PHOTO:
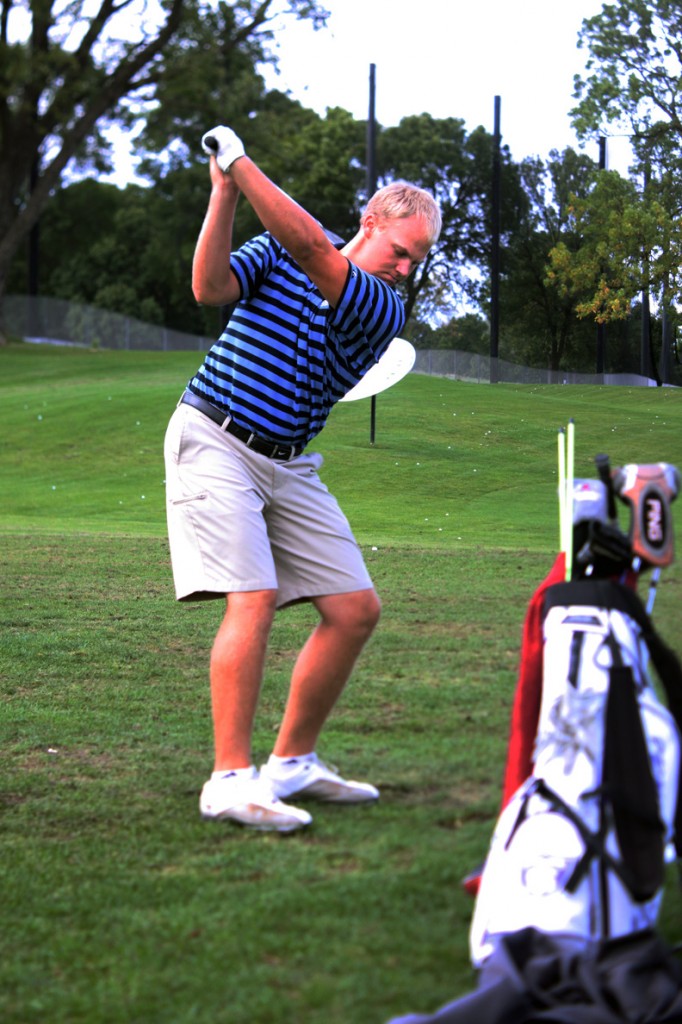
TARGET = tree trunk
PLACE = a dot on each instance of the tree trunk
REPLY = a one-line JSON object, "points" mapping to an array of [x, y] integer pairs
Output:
{"points": [[4, 270]]}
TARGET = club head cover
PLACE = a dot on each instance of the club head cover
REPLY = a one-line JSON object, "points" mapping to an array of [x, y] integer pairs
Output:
{"points": [[649, 490]]}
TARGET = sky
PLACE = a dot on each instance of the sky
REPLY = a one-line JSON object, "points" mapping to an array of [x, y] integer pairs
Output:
{"points": [[447, 58]]}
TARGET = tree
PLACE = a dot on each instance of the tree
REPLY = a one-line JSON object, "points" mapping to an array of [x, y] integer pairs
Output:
{"points": [[635, 67], [466, 333], [131, 249], [626, 245], [319, 161], [630, 245], [78, 67], [634, 84], [457, 169], [539, 319]]}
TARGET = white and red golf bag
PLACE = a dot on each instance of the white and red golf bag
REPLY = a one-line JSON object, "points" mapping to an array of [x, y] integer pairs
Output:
{"points": [[591, 808]]}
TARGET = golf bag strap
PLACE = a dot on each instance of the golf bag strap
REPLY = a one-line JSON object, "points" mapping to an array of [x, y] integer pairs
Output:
{"points": [[595, 842], [629, 785], [611, 594]]}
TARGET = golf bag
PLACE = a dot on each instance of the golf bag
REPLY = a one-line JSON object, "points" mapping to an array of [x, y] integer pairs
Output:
{"points": [[591, 808], [580, 847]]}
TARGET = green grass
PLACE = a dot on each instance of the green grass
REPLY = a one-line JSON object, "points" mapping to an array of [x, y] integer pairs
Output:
{"points": [[119, 906]]}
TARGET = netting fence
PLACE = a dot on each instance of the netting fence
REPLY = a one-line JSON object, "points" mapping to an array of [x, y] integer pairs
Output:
{"points": [[58, 321]]}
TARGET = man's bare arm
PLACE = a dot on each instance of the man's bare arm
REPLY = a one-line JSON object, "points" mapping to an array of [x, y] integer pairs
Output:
{"points": [[213, 282], [294, 228]]}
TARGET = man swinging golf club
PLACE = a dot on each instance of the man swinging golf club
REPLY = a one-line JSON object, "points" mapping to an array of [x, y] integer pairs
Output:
{"points": [[249, 520]]}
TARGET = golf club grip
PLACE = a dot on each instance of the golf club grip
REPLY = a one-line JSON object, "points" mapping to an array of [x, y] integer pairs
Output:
{"points": [[603, 465]]}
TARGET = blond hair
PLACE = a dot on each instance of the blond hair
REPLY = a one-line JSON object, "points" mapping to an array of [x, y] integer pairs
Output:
{"points": [[402, 199]]}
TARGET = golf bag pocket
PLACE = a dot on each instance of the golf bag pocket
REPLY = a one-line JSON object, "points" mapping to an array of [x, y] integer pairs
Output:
{"points": [[580, 848], [545, 869]]}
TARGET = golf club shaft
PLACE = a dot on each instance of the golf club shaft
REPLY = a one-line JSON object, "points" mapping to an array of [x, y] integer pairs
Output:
{"points": [[570, 461], [655, 576], [561, 444]]}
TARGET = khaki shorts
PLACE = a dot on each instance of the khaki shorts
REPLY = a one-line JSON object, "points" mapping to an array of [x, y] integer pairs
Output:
{"points": [[238, 521]]}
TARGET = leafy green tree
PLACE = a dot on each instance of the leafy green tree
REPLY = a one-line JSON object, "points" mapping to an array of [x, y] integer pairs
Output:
{"points": [[632, 87], [319, 161], [615, 228], [467, 333], [130, 250], [107, 247], [539, 322], [629, 245], [635, 75], [326, 171], [73, 221], [79, 67], [457, 168]]}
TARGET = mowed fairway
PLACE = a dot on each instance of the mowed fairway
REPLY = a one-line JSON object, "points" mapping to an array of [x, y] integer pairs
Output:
{"points": [[119, 905]]}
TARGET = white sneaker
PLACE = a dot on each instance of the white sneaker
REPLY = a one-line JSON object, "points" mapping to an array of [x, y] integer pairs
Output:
{"points": [[249, 800], [308, 777]]}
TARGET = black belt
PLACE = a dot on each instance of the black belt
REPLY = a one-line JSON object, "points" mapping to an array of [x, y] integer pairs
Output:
{"points": [[285, 452]]}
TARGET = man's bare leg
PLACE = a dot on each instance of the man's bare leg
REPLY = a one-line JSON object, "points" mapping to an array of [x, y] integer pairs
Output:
{"points": [[237, 661], [324, 666], [236, 672]]}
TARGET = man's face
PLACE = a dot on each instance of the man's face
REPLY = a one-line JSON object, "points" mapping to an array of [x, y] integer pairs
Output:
{"points": [[394, 247]]}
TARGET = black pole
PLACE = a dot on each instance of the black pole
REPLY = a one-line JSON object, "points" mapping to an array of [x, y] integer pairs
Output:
{"points": [[35, 325], [371, 189], [495, 251], [371, 134], [601, 329], [665, 366], [34, 243], [645, 338]]}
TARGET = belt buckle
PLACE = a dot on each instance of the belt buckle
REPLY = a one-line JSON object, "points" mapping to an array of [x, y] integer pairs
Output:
{"points": [[261, 446], [271, 450], [290, 450]]}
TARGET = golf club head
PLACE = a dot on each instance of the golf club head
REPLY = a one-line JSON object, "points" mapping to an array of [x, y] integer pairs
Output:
{"points": [[590, 500], [600, 548]]}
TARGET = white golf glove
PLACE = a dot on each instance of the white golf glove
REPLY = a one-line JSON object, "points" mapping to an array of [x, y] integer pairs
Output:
{"points": [[222, 143]]}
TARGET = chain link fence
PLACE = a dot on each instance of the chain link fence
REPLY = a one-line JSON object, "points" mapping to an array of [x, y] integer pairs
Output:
{"points": [[58, 321], [39, 319], [472, 366]]}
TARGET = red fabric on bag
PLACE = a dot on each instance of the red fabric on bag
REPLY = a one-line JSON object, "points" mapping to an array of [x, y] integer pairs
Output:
{"points": [[528, 695]]}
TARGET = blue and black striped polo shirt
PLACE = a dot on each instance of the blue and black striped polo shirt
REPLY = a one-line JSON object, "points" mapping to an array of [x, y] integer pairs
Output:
{"points": [[285, 356]]}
